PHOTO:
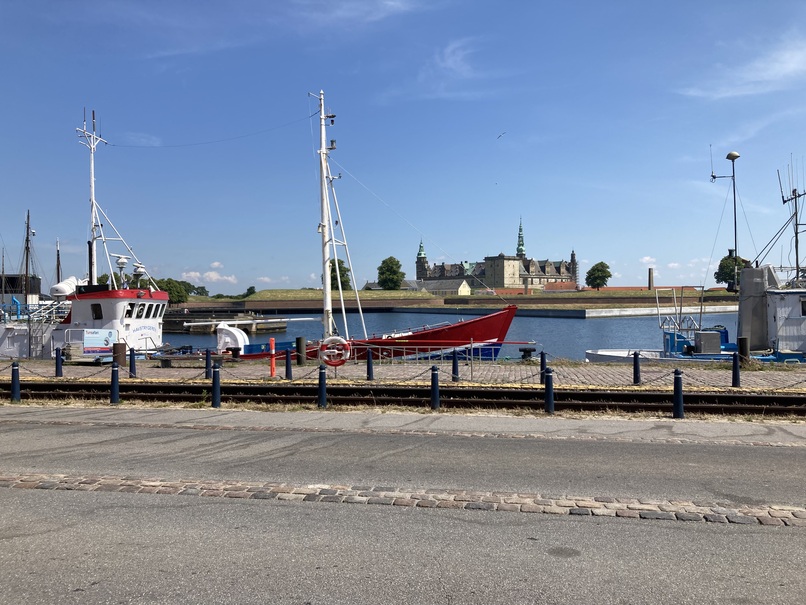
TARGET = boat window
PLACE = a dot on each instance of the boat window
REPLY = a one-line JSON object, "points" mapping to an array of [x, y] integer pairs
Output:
{"points": [[149, 310], [129, 311], [162, 309], [803, 307], [140, 310], [97, 312]]}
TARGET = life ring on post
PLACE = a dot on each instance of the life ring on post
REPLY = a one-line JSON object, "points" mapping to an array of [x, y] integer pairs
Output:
{"points": [[334, 351]]}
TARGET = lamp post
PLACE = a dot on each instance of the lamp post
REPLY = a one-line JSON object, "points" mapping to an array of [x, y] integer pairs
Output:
{"points": [[733, 156]]}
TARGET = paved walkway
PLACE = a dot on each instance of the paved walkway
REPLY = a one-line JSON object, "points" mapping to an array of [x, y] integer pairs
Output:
{"points": [[768, 434], [567, 374]]}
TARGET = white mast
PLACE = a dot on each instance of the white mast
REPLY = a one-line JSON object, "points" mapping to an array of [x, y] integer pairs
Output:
{"points": [[91, 141], [324, 224]]}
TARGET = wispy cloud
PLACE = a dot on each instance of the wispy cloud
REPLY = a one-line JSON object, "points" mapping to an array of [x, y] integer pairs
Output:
{"points": [[452, 73], [212, 277], [780, 68]]}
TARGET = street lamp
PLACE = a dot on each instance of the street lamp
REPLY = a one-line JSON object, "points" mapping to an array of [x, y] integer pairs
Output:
{"points": [[732, 156]]}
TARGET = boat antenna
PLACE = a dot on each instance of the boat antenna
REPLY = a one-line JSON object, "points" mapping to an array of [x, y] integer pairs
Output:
{"points": [[793, 197], [91, 140]]}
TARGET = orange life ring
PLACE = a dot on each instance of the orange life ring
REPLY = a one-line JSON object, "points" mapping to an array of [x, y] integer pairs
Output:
{"points": [[334, 351]]}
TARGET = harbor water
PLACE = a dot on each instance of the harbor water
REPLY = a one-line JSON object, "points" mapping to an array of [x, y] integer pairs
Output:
{"points": [[558, 337]]}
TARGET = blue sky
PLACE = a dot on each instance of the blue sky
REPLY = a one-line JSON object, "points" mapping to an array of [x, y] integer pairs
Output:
{"points": [[593, 122]]}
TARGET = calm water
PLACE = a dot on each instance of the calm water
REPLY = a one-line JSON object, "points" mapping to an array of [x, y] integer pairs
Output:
{"points": [[566, 338]]}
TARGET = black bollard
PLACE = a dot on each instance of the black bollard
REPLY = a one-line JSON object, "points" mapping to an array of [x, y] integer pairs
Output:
{"points": [[208, 374], [737, 379], [216, 386], [434, 388], [289, 372], [114, 396], [59, 361], [549, 391], [455, 367], [636, 368], [132, 364], [370, 369], [322, 386], [15, 382], [301, 346], [542, 367], [678, 394]]}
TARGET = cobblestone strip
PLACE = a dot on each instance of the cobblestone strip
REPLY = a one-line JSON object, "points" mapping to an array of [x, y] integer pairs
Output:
{"points": [[625, 508]]}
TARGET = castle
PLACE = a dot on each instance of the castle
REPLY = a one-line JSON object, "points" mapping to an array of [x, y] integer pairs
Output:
{"points": [[502, 272]]}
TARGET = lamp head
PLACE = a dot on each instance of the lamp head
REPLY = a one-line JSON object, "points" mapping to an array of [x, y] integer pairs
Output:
{"points": [[732, 156]]}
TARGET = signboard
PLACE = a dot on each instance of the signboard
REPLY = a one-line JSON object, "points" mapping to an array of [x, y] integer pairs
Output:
{"points": [[99, 342]]}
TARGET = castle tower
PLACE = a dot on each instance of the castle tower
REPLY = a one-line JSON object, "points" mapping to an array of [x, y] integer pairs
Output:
{"points": [[422, 263], [574, 268], [521, 250]]}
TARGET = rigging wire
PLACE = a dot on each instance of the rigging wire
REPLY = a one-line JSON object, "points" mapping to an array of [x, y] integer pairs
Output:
{"points": [[216, 141]]}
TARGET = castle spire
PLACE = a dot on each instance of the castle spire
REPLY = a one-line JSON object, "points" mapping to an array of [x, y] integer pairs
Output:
{"points": [[521, 250], [421, 253]]}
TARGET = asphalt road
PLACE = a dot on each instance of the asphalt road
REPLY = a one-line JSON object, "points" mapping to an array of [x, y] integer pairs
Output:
{"points": [[96, 547]]}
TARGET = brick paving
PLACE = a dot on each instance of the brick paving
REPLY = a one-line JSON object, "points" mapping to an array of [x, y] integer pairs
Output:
{"points": [[622, 508]]}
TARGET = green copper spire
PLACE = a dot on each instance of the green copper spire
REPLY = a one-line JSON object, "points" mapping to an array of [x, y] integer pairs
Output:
{"points": [[521, 251], [421, 253]]}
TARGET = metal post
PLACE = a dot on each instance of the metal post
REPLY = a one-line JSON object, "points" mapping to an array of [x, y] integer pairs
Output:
{"points": [[549, 391], [636, 368], [322, 386], [455, 367], [273, 363], [370, 369], [434, 388], [542, 367], [208, 374], [301, 350], [678, 394], [737, 379], [15, 382], [114, 396], [132, 364], [59, 361], [216, 386], [288, 370]]}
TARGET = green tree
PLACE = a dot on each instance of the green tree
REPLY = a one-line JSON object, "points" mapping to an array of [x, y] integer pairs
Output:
{"points": [[597, 275], [200, 291], [249, 291], [729, 270], [344, 274], [390, 277], [176, 292]]}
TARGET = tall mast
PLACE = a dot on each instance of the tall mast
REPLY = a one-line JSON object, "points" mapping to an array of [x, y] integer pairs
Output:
{"points": [[91, 140], [27, 286], [324, 224]]}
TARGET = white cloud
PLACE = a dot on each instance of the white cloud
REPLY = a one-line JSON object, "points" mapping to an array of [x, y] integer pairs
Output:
{"points": [[673, 265], [191, 276], [268, 280], [216, 265], [212, 277], [647, 260], [780, 68]]}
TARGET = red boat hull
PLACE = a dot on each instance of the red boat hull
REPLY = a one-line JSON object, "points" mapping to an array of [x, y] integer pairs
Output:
{"points": [[486, 332]]}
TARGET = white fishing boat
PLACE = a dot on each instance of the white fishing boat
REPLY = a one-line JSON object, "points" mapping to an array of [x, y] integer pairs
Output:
{"points": [[126, 311], [771, 322]]}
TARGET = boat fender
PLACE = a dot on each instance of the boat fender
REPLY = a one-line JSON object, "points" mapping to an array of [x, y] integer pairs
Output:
{"points": [[334, 351]]}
